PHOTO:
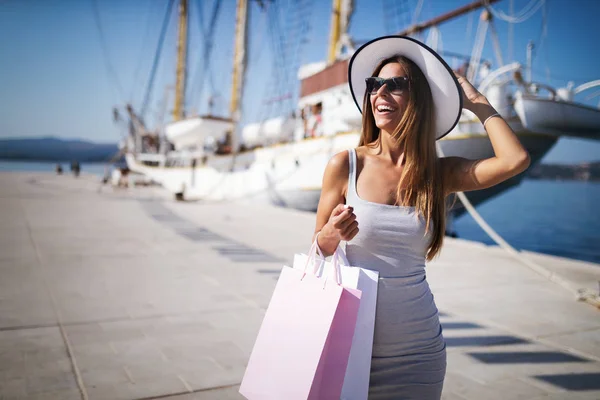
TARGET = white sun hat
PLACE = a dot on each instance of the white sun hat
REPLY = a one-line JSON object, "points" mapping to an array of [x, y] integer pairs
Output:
{"points": [[445, 89]]}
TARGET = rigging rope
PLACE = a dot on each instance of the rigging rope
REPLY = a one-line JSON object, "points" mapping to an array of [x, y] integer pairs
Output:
{"points": [[274, 87], [510, 31], [253, 58], [269, 87], [299, 34], [281, 46], [477, 49], [161, 40], [146, 37], [280, 94], [417, 13], [405, 13], [396, 15], [203, 66], [112, 75], [434, 40], [469, 30], [523, 15], [542, 37], [496, 43]]}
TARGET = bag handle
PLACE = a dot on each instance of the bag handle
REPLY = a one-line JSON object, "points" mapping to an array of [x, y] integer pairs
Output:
{"points": [[339, 259], [341, 255], [312, 254], [338, 255]]}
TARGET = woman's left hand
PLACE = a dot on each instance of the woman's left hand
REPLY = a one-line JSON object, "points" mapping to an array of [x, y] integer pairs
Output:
{"points": [[470, 95]]}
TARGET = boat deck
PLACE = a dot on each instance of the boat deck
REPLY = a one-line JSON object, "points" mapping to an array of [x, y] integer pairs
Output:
{"points": [[126, 294]]}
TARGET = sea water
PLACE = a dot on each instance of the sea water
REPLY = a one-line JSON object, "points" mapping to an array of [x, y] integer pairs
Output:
{"points": [[50, 166], [552, 217]]}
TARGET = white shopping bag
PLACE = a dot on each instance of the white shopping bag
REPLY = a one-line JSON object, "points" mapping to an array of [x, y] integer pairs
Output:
{"points": [[356, 380]]}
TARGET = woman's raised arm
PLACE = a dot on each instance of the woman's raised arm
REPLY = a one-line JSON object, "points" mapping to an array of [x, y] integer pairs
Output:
{"points": [[510, 157]]}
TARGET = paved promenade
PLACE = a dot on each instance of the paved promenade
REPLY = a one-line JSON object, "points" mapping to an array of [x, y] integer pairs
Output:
{"points": [[125, 294]]}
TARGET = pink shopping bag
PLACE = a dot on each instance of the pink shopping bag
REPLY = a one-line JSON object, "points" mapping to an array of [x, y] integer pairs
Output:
{"points": [[356, 380], [329, 378], [303, 344]]}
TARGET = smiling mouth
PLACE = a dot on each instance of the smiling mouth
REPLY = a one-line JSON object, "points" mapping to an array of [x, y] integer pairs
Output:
{"points": [[383, 109]]}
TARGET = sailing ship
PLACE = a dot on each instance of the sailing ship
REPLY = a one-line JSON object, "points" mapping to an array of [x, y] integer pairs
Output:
{"points": [[282, 159]]}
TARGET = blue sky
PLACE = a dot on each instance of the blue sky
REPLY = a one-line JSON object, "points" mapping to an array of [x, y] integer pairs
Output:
{"points": [[54, 79]]}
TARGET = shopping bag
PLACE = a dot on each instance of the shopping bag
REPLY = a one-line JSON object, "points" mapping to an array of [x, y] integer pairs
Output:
{"points": [[356, 379], [306, 311], [358, 371]]}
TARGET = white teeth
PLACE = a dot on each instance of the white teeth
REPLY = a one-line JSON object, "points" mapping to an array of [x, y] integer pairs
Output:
{"points": [[384, 108]]}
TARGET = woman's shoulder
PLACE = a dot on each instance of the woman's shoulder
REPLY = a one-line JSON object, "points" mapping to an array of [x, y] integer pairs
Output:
{"points": [[339, 163], [336, 172]]}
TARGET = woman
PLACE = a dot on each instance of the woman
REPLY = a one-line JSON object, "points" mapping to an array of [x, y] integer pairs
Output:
{"points": [[387, 198]]}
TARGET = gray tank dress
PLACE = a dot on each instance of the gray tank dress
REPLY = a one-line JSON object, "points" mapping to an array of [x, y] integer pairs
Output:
{"points": [[409, 352]]}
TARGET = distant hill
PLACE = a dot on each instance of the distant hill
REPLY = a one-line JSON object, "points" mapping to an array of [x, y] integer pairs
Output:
{"points": [[53, 149], [579, 172]]}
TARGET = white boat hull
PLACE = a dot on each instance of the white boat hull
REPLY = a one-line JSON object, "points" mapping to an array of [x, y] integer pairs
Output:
{"points": [[556, 117], [192, 132], [296, 167], [291, 174]]}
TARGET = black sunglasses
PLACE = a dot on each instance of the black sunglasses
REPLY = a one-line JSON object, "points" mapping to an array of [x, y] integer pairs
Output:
{"points": [[395, 85]]}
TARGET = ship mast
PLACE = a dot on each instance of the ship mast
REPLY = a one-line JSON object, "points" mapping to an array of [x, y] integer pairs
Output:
{"points": [[334, 36], [239, 65], [182, 42], [341, 11]]}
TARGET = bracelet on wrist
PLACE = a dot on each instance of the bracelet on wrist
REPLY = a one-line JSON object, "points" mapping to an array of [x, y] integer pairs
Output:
{"points": [[490, 117]]}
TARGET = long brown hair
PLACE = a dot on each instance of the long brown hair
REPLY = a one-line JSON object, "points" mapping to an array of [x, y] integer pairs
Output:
{"points": [[422, 176]]}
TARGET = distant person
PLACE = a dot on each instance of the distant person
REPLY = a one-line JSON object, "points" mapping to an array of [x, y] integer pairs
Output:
{"points": [[106, 176], [59, 169], [123, 177], [387, 199], [315, 120], [225, 146], [75, 168]]}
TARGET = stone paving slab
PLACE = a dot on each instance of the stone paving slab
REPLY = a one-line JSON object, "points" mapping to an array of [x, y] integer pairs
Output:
{"points": [[159, 299], [33, 363]]}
